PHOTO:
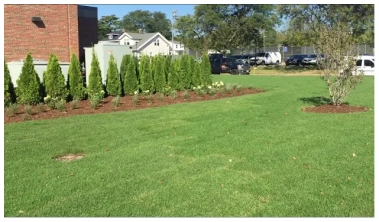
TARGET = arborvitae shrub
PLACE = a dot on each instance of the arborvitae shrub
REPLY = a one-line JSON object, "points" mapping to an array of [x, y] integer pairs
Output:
{"points": [[130, 78], [167, 64], [113, 78], [191, 69], [147, 82], [9, 93], [54, 84], [28, 89], [126, 60], [206, 72], [173, 78], [196, 77], [159, 74], [95, 85], [75, 80], [184, 75]]}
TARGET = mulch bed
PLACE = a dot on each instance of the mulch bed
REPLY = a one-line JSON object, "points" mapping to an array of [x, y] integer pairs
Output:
{"points": [[328, 108], [126, 103]]}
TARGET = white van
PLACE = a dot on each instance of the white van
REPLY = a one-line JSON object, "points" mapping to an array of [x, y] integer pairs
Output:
{"points": [[365, 64], [267, 58]]}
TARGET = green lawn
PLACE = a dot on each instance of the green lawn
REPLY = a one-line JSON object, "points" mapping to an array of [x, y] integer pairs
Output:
{"points": [[283, 70], [240, 156]]}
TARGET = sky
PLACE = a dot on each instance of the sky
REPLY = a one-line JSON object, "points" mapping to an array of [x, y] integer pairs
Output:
{"points": [[121, 10]]}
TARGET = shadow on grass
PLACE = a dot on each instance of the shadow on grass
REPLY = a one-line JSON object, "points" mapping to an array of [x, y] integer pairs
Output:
{"points": [[291, 69], [318, 100]]}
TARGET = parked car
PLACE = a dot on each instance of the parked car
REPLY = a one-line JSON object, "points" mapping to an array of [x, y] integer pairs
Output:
{"points": [[295, 60], [311, 59], [243, 66], [266, 58], [216, 61], [366, 64]]}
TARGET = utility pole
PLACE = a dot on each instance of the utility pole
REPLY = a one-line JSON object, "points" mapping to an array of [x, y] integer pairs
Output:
{"points": [[174, 16]]}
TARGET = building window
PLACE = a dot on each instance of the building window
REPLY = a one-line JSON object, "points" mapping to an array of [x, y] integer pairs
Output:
{"points": [[124, 41], [110, 37], [156, 42], [176, 46], [151, 54]]}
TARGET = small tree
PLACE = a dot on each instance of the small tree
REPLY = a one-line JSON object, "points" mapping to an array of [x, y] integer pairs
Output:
{"points": [[159, 74], [9, 93], [95, 85], [54, 81], [28, 89], [184, 75], [206, 72], [191, 69], [173, 78], [130, 78], [338, 67], [167, 63], [75, 79], [113, 78], [146, 78], [126, 59], [196, 77]]}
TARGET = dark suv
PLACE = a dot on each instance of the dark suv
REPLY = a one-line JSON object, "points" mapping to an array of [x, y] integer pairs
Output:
{"points": [[295, 60]]}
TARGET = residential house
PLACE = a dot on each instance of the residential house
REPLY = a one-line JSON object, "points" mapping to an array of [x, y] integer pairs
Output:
{"points": [[178, 47], [140, 43]]}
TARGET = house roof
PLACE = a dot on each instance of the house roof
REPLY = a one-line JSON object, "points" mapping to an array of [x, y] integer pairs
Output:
{"points": [[142, 38]]}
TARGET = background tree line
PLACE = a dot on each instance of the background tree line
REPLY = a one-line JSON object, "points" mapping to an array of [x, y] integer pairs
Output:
{"points": [[250, 26]]}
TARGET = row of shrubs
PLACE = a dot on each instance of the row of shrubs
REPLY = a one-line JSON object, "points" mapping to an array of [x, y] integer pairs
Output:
{"points": [[151, 74]]}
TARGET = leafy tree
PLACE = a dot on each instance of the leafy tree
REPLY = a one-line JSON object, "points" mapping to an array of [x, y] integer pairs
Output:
{"points": [[309, 19], [75, 79], [113, 78], [222, 27], [28, 89], [159, 74], [54, 81], [146, 78], [95, 85], [149, 22], [107, 24], [130, 78], [173, 77], [206, 72], [338, 67], [196, 77], [126, 59], [9, 93]]}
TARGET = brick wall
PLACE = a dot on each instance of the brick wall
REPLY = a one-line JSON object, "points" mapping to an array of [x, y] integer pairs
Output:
{"points": [[57, 33]]}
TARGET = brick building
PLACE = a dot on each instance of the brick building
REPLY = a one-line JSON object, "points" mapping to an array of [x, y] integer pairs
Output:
{"points": [[44, 29]]}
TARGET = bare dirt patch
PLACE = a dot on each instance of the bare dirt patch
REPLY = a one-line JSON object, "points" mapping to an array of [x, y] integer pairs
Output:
{"points": [[70, 157], [328, 108]]}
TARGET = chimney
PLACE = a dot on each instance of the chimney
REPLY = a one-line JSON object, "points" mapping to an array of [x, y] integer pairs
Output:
{"points": [[123, 30], [139, 31]]}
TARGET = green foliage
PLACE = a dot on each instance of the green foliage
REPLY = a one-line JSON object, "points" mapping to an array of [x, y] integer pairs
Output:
{"points": [[75, 80], [107, 24], [116, 101], [196, 77], [159, 74], [113, 84], [11, 110], [9, 93], [28, 89], [95, 85], [184, 73], [146, 78], [74, 104], [54, 82], [130, 77], [206, 74], [191, 69], [173, 77], [126, 59], [149, 22], [167, 63]]}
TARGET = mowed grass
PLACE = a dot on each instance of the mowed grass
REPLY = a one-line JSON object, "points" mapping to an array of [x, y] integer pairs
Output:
{"points": [[255, 155], [285, 70]]}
